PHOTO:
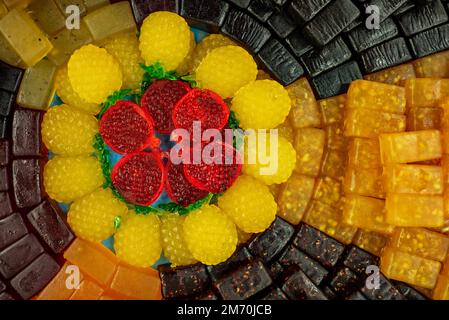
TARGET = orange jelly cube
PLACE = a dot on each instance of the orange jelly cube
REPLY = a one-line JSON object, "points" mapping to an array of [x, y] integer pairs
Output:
{"points": [[421, 242], [294, 197], [88, 290], [414, 210], [396, 75], [333, 109], [441, 290], [366, 213], [364, 182], [335, 138], [444, 104], [57, 289], [328, 191], [304, 112], [425, 118], [407, 178], [286, 130], [366, 123], [376, 96], [409, 268], [309, 146], [334, 164], [370, 241], [327, 220], [136, 283], [93, 259], [410, 146], [364, 153], [433, 66], [425, 92]]}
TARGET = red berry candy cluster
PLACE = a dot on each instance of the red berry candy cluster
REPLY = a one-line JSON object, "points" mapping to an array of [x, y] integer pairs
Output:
{"points": [[141, 175]]}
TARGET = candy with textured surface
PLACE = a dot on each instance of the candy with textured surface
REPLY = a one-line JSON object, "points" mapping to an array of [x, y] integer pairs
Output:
{"points": [[309, 146], [423, 17], [173, 244], [183, 282], [298, 43], [386, 55], [11, 77], [328, 191], [261, 9], [334, 163], [221, 270], [26, 126], [282, 24], [364, 182], [47, 15], [12, 229], [142, 8], [299, 287], [304, 11], [304, 111], [206, 15], [385, 291], [27, 182], [400, 178], [362, 38], [5, 205]]}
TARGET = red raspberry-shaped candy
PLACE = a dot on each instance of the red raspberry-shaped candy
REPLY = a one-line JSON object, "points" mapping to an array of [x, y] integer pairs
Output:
{"points": [[160, 99], [127, 128], [139, 177]]}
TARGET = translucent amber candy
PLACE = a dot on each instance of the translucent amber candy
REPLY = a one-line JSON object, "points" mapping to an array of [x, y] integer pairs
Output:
{"points": [[365, 213], [25, 37], [370, 241], [410, 147], [3, 10], [365, 123], [309, 146], [377, 96], [304, 112], [334, 164], [409, 268], [414, 210], [396, 75], [441, 290], [37, 87], [335, 138], [364, 182], [425, 92], [434, 66], [110, 20], [364, 153], [92, 5], [328, 191], [421, 242], [57, 289], [328, 220], [11, 4], [63, 4], [333, 109], [88, 290], [294, 197], [425, 118], [286, 130], [47, 15], [444, 105]]}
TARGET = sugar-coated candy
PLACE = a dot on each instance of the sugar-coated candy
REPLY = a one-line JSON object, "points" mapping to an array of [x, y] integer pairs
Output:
{"points": [[358, 260], [344, 281], [334, 162]]}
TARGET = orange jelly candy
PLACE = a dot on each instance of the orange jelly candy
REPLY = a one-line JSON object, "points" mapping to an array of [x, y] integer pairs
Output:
{"points": [[433, 66], [396, 75], [441, 290], [370, 241], [88, 290], [364, 153], [309, 146], [57, 289], [328, 191], [304, 112], [335, 138], [333, 110], [425, 92], [364, 182], [334, 163], [424, 118]]}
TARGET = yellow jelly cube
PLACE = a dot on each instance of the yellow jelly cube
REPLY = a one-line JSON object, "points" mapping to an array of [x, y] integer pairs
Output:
{"points": [[110, 20], [286, 130], [328, 220], [410, 147], [365, 213], [66, 42], [335, 138], [92, 5], [365, 123], [63, 4], [441, 290], [433, 66], [421, 242], [328, 191], [423, 92], [3, 10], [396, 75], [407, 178], [364, 182], [25, 37], [364, 153], [309, 146], [414, 210], [425, 118], [377, 96], [294, 197], [11, 4], [370, 241], [304, 112], [409, 268], [334, 164], [333, 109], [37, 87], [47, 15], [8, 54]]}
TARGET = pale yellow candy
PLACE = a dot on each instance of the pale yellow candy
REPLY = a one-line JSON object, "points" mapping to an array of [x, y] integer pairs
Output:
{"points": [[47, 15]]}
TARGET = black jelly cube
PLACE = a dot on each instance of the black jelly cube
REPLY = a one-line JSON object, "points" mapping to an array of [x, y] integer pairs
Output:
{"points": [[6, 102], [10, 77], [262, 9], [422, 18], [336, 81], [292, 256], [4, 179], [12, 228], [325, 58], [4, 152], [3, 127], [183, 282], [18, 255], [362, 38], [241, 3], [344, 281], [207, 296], [275, 269], [5, 205], [245, 282], [271, 242], [35, 277], [297, 43], [357, 296], [240, 257], [430, 41], [27, 182], [50, 226], [298, 286], [304, 10], [275, 294], [358, 260], [408, 5], [26, 135], [409, 292], [329, 293], [246, 30], [279, 62], [205, 14], [385, 291], [2, 286], [142, 8], [386, 55], [386, 7], [281, 24], [318, 245], [331, 21]]}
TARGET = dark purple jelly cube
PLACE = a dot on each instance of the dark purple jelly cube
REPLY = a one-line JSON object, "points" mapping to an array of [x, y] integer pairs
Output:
{"points": [[4, 152], [12, 228], [248, 280], [329, 293], [241, 3], [298, 286], [358, 260], [304, 10], [3, 127], [279, 62], [275, 294], [386, 55], [35, 277], [10, 77], [27, 182], [298, 44], [422, 18], [385, 291], [204, 14], [50, 226], [26, 135], [5, 205], [362, 38], [318, 245], [240, 257], [2, 286], [183, 282], [6, 296], [275, 269], [357, 296], [344, 281], [409, 292], [142, 8], [430, 41], [4, 179], [271, 242], [207, 296], [6, 102], [281, 24], [18, 255]]}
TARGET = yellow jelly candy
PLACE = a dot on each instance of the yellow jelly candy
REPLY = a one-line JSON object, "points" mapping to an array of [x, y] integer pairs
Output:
{"points": [[441, 290], [309, 146], [425, 92], [329, 191], [424, 118], [433, 66], [332, 109], [364, 182], [396, 75], [47, 15], [370, 241], [364, 153], [304, 112]]}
